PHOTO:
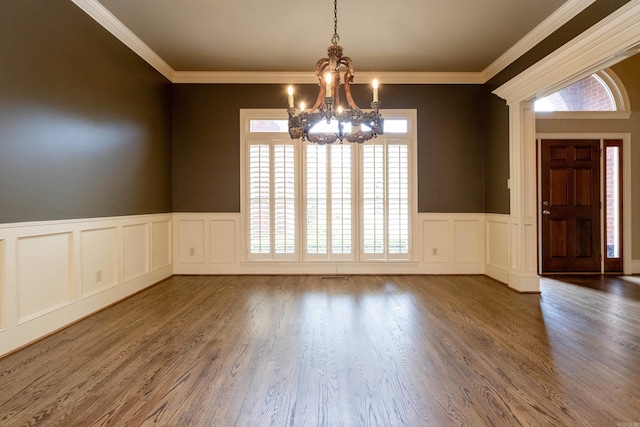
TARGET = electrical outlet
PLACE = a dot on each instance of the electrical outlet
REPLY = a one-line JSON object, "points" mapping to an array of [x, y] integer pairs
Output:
{"points": [[98, 276], [192, 251], [434, 252]]}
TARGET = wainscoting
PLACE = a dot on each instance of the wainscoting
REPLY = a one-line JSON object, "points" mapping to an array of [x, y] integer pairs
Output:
{"points": [[54, 273], [444, 243], [497, 247]]}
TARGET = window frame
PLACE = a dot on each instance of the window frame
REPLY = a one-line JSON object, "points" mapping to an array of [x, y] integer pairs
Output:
{"points": [[246, 115]]}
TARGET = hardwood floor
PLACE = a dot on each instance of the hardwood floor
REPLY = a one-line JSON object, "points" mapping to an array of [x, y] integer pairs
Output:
{"points": [[365, 351]]}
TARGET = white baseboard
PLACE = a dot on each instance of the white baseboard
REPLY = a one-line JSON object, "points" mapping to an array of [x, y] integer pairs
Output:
{"points": [[496, 273]]}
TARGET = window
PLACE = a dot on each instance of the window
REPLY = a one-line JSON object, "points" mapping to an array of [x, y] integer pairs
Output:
{"points": [[272, 208], [329, 201], [598, 92], [613, 205], [385, 199], [304, 201]]}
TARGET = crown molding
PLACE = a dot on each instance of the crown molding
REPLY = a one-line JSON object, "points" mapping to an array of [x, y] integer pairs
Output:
{"points": [[283, 77], [610, 41], [112, 24], [556, 20]]}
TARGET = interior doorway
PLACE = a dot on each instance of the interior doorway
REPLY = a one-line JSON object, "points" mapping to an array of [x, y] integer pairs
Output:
{"points": [[581, 205]]}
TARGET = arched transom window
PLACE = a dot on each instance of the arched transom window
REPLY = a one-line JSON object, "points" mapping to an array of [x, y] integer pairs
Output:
{"points": [[596, 92]]}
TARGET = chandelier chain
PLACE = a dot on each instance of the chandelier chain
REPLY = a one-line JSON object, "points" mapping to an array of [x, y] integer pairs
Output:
{"points": [[336, 38]]}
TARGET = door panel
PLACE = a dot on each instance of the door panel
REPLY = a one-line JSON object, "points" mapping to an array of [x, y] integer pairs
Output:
{"points": [[571, 205]]}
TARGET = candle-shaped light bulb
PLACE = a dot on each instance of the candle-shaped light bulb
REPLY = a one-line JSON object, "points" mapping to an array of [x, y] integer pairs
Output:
{"points": [[339, 108], [375, 90], [302, 106], [290, 91], [327, 79]]}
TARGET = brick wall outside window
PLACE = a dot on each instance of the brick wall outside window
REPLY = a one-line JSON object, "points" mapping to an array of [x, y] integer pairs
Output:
{"points": [[588, 94]]}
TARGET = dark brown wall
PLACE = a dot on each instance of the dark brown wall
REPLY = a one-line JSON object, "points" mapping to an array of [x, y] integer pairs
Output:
{"points": [[497, 123], [85, 124], [206, 141], [497, 156]]}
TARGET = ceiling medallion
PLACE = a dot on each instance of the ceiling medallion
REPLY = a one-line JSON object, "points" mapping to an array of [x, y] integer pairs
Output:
{"points": [[327, 106]]}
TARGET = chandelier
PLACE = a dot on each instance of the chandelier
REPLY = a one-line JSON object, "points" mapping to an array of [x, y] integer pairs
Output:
{"points": [[327, 106]]}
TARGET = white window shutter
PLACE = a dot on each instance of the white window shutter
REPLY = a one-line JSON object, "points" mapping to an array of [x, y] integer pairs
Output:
{"points": [[373, 196], [316, 198], [284, 202], [398, 198], [341, 199], [259, 199]]}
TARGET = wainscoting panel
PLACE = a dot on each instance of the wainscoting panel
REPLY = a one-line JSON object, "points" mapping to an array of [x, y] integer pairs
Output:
{"points": [[435, 240], [135, 251], [468, 241], [497, 247], [98, 256], [223, 241], [190, 238], [452, 243], [160, 245], [53, 273], [45, 275]]}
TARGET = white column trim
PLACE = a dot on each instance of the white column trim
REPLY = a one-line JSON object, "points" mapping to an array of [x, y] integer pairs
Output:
{"points": [[523, 235]]}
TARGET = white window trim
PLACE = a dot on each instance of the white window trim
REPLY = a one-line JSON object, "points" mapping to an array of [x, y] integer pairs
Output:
{"points": [[252, 114]]}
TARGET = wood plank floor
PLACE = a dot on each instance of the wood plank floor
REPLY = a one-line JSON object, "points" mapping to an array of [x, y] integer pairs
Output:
{"points": [[365, 351]]}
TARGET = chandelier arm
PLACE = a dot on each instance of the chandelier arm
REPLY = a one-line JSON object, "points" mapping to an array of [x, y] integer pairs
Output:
{"points": [[320, 100], [335, 82], [347, 63], [321, 66], [348, 78]]}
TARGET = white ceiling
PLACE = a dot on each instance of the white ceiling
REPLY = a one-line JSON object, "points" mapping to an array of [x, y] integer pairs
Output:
{"points": [[427, 36]]}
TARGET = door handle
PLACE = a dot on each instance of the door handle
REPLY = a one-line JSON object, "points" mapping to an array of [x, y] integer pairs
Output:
{"points": [[546, 212]]}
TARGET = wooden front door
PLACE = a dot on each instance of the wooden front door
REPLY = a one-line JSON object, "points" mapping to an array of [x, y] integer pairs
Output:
{"points": [[570, 205]]}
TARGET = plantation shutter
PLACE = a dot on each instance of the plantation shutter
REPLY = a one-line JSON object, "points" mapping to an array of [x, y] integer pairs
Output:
{"points": [[316, 199], [284, 199], [272, 204], [259, 199], [341, 199], [398, 198], [385, 199], [329, 201], [373, 195]]}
